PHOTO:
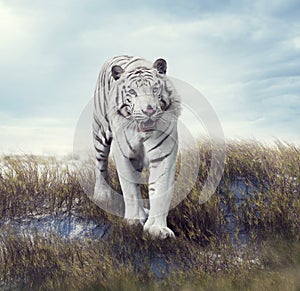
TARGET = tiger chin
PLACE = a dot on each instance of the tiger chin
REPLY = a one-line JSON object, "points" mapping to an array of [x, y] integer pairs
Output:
{"points": [[136, 109]]}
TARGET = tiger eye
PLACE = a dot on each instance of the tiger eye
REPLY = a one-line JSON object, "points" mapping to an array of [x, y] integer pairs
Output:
{"points": [[155, 90], [132, 92]]}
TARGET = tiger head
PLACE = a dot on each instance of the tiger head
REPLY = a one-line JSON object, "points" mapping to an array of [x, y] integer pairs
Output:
{"points": [[143, 94]]}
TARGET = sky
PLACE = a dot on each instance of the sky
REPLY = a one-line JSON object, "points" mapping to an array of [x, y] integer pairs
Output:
{"points": [[243, 56]]}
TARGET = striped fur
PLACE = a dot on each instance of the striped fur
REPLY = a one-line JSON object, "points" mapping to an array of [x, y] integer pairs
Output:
{"points": [[136, 109]]}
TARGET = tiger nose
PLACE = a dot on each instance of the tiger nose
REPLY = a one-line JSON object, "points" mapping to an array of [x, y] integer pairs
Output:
{"points": [[149, 110]]}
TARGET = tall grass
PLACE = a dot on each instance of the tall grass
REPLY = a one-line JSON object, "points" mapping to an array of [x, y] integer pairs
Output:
{"points": [[257, 197]]}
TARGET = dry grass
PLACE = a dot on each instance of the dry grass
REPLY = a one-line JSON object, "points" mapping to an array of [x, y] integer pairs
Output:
{"points": [[259, 193]]}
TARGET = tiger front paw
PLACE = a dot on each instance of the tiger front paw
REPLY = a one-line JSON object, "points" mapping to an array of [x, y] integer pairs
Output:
{"points": [[158, 231]]}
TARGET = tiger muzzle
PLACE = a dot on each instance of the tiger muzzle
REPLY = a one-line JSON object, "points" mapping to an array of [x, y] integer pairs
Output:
{"points": [[148, 125]]}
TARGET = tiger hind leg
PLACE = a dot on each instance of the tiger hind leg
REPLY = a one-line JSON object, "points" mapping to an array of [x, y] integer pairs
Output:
{"points": [[102, 190]]}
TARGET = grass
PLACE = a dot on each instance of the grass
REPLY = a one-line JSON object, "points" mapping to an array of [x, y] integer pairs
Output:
{"points": [[258, 197]]}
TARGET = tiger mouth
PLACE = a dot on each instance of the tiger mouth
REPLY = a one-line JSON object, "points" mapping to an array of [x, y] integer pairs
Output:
{"points": [[148, 125]]}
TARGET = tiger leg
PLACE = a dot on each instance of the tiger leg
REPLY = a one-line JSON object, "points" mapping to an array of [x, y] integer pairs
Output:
{"points": [[161, 187], [129, 172], [102, 190]]}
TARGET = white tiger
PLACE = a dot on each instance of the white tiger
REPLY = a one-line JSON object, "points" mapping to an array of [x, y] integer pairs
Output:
{"points": [[136, 109]]}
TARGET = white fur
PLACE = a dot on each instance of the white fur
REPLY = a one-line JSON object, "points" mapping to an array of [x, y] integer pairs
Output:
{"points": [[142, 148]]}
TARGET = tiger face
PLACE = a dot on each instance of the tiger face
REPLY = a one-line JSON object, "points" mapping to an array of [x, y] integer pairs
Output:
{"points": [[142, 94]]}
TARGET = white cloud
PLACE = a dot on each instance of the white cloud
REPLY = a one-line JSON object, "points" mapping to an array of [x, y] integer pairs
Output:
{"points": [[17, 32], [224, 27], [36, 135], [243, 58], [296, 42]]}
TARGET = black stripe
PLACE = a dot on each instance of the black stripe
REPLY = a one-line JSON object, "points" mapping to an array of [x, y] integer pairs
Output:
{"points": [[142, 74], [100, 127], [160, 143], [160, 159], [130, 75], [131, 62], [99, 150], [99, 140], [102, 81], [104, 157], [151, 189], [163, 157], [124, 156], [106, 118], [97, 121], [117, 97], [164, 102], [107, 140], [168, 106], [100, 159], [163, 132], [144, 69], [123, 105], [131, 82]]}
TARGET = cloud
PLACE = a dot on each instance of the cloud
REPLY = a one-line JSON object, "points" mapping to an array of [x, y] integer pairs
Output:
{"points": [[36, 135], [15, 29], [244, 57]]}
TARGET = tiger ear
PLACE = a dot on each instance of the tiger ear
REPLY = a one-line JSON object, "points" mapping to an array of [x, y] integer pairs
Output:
{"points": [[117, 71], [161, 66]]}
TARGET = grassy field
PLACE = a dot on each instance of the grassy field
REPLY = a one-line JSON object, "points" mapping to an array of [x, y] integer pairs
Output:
{"points": [[258, 198]]}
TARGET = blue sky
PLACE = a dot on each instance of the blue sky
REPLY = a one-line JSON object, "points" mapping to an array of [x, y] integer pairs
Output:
{"points": [[243, 56]]}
